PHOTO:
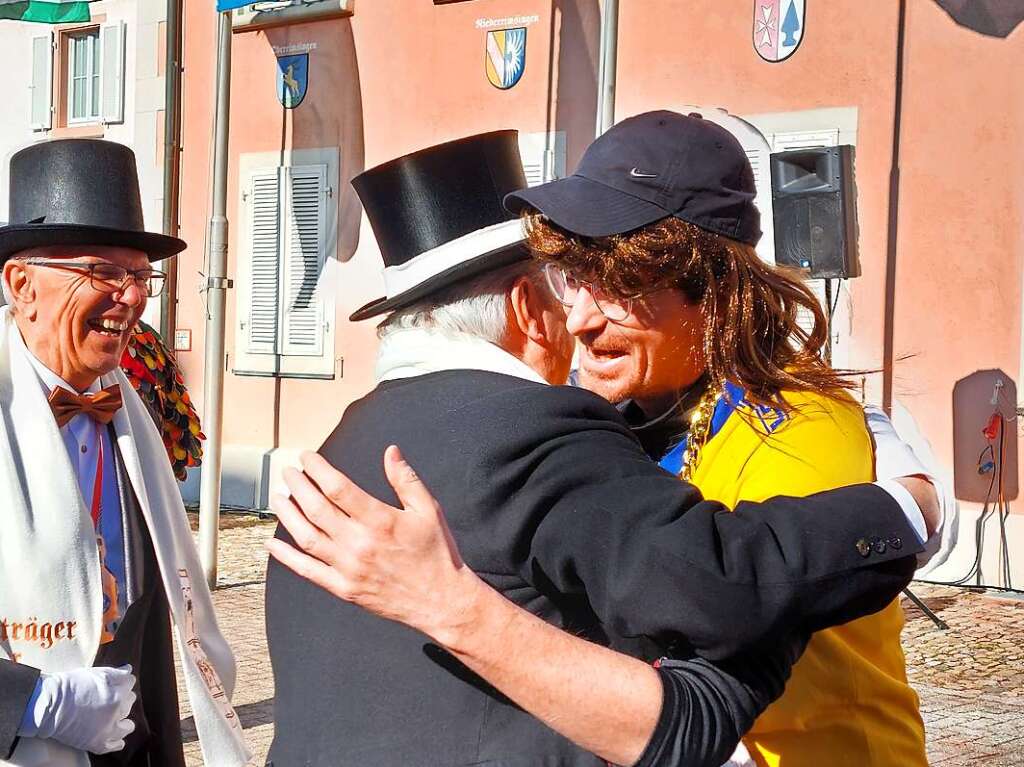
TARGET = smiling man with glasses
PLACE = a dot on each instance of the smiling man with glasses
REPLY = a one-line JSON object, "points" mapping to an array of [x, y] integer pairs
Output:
{"points": [[700, 344], [96, 557]]}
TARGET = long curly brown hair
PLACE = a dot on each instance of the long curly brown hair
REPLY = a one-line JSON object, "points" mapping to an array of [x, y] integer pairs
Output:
{"points": [[751, 333]]}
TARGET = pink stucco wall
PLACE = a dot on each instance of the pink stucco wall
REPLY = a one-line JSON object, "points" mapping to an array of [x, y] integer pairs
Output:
{"points": [[960, 235], [382, 83], [397, 77]]}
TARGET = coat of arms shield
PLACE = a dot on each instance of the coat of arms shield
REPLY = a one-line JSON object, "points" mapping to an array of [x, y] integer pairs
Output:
{"points": [[505, 58], [778, 28], [292, 79]]}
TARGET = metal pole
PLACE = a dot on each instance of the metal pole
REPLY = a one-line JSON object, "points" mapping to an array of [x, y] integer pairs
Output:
{"points": [[1020, 372], [606, 66], [892, 241], [939, 623], [216, 287], [172, 161]]}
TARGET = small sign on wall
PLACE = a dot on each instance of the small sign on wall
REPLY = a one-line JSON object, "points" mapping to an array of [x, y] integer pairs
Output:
{"points": [[183, 340], [505, 58], [778, 28], [292, 79], [273, 13]]}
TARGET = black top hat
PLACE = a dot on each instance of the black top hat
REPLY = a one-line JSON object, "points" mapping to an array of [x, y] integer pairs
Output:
{"points": [[78, 192], [438, 217], [649, 167]]}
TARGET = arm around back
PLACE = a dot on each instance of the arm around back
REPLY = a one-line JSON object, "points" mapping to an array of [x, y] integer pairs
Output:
{"points": [[655, 559], [605, 702], [707, 707]]}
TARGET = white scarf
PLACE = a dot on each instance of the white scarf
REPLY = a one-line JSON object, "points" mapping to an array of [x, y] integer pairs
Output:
{"points": [[49, 565], [415, 352]]}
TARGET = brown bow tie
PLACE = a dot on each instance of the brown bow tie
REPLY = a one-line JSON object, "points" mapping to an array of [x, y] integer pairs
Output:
{"points": [[100, 406]]}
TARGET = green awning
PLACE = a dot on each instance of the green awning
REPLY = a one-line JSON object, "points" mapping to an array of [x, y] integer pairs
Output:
{"points": [[46, 11]]}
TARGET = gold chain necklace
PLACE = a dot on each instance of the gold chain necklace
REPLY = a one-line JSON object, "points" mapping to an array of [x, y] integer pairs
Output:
{"points": [[700, 425]]}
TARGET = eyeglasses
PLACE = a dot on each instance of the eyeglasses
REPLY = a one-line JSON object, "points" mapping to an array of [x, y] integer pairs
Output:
{"points": [[566, 289], [110, 278]]}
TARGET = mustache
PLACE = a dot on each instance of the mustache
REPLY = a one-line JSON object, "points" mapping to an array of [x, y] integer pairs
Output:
{"points": [[602, 343]]}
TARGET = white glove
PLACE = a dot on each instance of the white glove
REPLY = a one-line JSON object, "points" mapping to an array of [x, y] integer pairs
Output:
{"points": [[86, 709]]}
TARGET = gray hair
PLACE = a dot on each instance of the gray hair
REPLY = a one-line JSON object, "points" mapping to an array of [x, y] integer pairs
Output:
{"points": [[477, 307]]}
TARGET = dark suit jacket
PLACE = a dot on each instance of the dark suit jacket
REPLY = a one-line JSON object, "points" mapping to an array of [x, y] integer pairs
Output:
{"points": [[552, 500], [143, 639]]}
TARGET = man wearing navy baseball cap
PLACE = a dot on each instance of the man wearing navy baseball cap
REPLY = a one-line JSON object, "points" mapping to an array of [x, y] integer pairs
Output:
{"points": [[649, 247]]}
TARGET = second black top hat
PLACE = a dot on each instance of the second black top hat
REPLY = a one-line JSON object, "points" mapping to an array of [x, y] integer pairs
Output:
{"points": [[438, 216]]}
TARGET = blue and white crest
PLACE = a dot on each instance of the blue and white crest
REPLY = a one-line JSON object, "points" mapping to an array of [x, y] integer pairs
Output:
{"points": [[505, 58], [292, 79], [778, 28]]}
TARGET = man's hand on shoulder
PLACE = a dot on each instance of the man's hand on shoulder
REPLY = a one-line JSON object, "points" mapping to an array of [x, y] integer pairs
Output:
{"points": [[401, 564]]}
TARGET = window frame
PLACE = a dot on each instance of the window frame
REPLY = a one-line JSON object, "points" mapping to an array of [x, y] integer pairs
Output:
{"points": [[543, 156], [93, 79], [280, 361]]}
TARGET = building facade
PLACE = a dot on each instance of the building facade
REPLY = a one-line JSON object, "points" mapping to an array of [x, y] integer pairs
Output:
{"points": [[937, 137], [100, 79]]}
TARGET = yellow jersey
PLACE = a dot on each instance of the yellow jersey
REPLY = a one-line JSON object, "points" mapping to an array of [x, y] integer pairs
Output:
{"points": [[848, 701]]}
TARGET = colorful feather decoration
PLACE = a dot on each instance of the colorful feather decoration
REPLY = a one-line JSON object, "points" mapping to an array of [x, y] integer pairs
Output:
{"points": [[152, 371]]}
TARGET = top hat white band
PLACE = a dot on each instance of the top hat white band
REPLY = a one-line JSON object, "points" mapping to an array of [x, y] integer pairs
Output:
{"points": [[430, 263]]}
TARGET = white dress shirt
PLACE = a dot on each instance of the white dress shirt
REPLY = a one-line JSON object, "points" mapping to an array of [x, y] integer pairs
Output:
{"points": [[82, 438]]}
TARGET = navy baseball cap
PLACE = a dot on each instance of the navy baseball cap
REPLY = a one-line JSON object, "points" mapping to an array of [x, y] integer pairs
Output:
{"points": [[646, 168]]}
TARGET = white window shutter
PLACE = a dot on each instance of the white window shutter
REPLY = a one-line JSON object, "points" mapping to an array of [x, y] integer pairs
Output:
{"points": [[42, 82], [262, 331], [112, 45], [304, 255], [807, 139], [761, 165], [543, 156], [757, 149], [804, 318]]}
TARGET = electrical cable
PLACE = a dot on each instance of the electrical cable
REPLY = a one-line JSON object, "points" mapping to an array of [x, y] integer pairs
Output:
{"points": [[835, 302], [1003, 512], [999, 506], [979, 525]]}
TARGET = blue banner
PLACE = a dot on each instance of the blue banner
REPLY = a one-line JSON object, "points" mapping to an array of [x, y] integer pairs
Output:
{"points": [[227, 5]]}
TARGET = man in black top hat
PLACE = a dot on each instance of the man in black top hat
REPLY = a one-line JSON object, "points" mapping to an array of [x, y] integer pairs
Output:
{"points": [[96, 555], [553, 502]]}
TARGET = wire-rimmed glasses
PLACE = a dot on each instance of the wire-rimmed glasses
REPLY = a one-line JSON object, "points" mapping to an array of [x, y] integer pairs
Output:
{"points": [[107, 277], [566, 288]]}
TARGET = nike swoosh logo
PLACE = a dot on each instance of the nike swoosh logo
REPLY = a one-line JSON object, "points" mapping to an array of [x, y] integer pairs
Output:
{"points": [[637, 174]]}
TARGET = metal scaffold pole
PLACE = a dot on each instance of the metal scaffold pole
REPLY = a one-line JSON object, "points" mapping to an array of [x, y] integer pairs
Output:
{"points": [[606, 66], [172, 160], [216, 289]]}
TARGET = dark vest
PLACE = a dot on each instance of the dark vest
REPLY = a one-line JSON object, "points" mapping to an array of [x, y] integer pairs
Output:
{"points": [[143, 639]]}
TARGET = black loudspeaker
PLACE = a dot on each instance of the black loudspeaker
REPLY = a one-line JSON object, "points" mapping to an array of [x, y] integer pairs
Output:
{"points": [[814, 200]]}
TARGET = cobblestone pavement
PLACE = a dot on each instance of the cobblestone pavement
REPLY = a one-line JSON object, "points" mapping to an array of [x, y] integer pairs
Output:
{"points": [[239, 604], [970, 677]]}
